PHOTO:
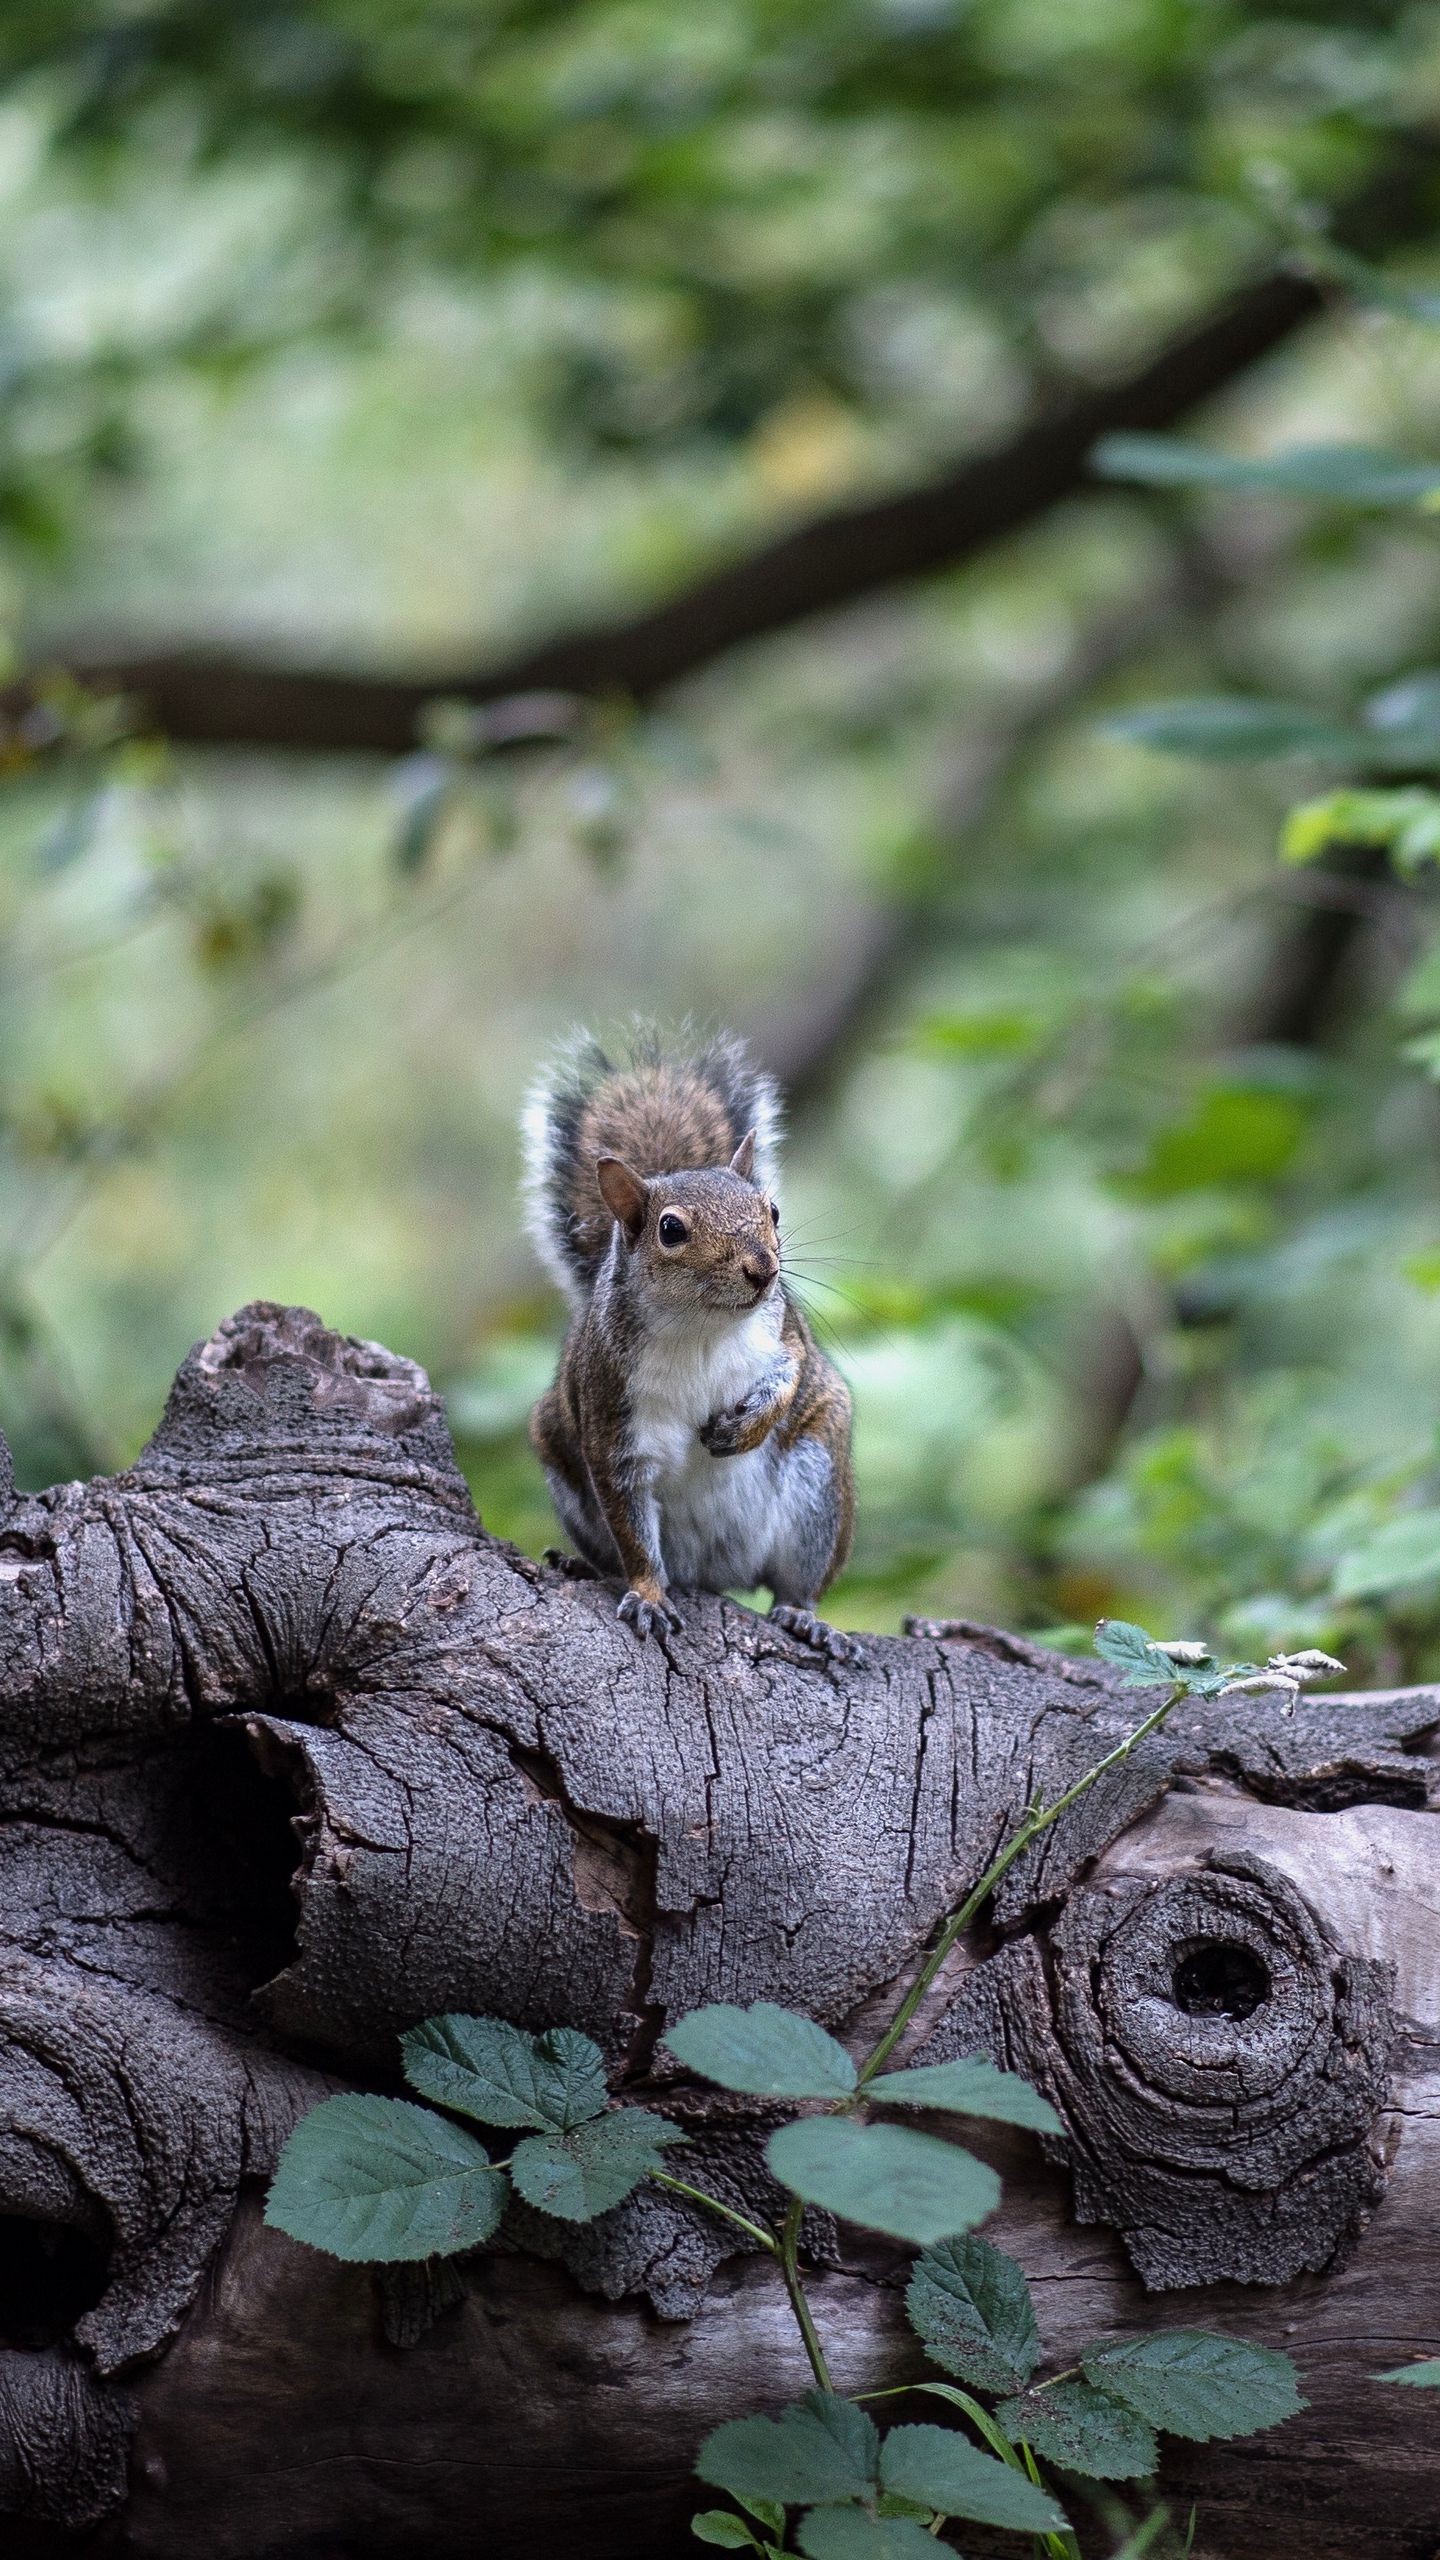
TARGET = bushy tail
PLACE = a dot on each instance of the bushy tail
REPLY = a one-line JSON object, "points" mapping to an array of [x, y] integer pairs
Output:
{"points": [[665, 1107]]}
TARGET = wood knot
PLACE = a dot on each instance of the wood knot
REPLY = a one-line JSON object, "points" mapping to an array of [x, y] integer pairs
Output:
{"points": [[1219, 2063]]}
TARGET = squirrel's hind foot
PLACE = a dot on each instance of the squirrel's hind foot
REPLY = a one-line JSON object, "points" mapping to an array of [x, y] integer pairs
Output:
{"points": [[816, 1632], [574, 1568], [649, 1617]]}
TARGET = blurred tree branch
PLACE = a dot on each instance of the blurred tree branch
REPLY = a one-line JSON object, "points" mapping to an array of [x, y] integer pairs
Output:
{"points": [[208, 698]]}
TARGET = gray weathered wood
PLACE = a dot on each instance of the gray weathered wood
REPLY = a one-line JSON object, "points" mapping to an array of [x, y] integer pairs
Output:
{"points": [[283, 1642]]}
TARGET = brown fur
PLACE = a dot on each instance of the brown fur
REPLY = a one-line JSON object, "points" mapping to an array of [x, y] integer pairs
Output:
{"points": [[661, 1139]]}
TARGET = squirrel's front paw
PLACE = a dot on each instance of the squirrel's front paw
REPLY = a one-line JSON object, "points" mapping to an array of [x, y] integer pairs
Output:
{"points": [[734, 1428], [649, 1617], [817, 1632]]}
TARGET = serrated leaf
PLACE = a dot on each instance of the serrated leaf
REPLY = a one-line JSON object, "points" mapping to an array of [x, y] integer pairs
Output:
{"points": [[1425, 2376], [369, 2178], [1354, 474], [1398, 1553], [486, 2068], [945, 2471], [1192, 2383], [819, 2452], [1083, 2430], [883, 2177], [972, 2306], [717, 2525], [973, 2087], [766, 2511], [1235, 728], [767, 2052], [850, 2533], [1132, 1651], [593, 2168]]}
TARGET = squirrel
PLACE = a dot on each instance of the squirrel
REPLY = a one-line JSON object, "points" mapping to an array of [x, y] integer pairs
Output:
{"points": [[694, 1432]]}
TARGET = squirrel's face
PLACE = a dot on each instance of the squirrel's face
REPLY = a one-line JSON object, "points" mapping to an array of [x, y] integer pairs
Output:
{"points": [[702, 1241]]}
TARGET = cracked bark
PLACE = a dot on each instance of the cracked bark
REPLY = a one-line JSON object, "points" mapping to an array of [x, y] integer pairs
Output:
{"points": [[292, 1753]]}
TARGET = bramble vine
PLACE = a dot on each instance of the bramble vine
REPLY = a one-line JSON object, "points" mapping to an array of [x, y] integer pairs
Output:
{"points": [[377, 2179]]}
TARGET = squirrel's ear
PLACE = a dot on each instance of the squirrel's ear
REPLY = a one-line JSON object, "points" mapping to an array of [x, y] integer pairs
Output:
{"points": [[623, 1192], [743, 1160]]}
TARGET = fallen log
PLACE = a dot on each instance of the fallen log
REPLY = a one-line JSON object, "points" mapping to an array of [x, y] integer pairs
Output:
{"points": [[292, 1754]]}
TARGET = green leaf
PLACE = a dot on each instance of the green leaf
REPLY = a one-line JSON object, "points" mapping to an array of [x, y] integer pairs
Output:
{"points": [[716, 2524], [487, 2068], [1235, 728], [1235, 1133], [1404, 824], [1400, 1552], [819, 2452], [944, 2470], [972, 2306], [1355, 474], [1083, 2430], [375, 2178], [593, 2168], [1135, 1653], [766, 2511], [970, 2088], [1189, 2382], [766, 2051], [1425, 2376], [993, 1031], [883, 2176], [848, 2533]]}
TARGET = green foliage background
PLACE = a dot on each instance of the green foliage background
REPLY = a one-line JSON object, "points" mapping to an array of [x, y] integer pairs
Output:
{"points": [[396, 335]]}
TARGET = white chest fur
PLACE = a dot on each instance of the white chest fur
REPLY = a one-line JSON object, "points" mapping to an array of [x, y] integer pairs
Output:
{"points": [[719, 1517]]}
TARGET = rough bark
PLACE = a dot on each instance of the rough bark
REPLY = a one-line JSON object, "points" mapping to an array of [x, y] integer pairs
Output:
{"points": [[283, 1641], [209, 698]]}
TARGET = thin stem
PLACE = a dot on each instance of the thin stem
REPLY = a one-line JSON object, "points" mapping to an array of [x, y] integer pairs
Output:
{"points": [[742, 2221], [1037, 1820], [799, 2303]]}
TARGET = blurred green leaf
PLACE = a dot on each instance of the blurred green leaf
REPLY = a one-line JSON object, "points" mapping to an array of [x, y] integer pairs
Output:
{"points": [[851, 2533], [1399, 1553], [1234, 1133], [1235, 729], [1404, 824], [1353, 474]]}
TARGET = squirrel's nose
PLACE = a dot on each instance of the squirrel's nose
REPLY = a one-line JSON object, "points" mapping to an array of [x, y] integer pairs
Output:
{"points": [[760, 1269]]}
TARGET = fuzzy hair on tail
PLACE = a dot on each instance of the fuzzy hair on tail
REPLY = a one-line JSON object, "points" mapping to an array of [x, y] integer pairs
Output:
{"points": [[674, 1105]]}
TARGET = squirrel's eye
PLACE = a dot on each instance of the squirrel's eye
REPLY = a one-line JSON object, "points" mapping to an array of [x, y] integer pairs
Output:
{"points": [[673, 1230], [775, 1211]]}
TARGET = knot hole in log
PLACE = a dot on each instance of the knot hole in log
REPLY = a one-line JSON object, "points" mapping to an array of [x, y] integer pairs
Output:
{"points": [[1200, 2031]]}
